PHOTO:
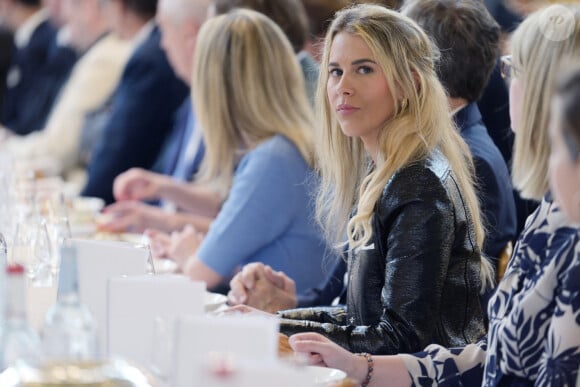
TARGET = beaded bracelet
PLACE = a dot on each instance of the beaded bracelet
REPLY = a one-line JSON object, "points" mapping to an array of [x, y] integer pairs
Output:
{"points": [[370, 367]]}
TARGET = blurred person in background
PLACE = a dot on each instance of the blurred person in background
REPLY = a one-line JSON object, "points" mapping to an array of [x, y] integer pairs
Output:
{"points": [[469, 38], [103, 56], [391, 4], [56, 12], [320, 13], [494, 103], [140, 114], [6, 48], [40, 65], [290, 15], [184, 203], [258, 130], [196, 204]]}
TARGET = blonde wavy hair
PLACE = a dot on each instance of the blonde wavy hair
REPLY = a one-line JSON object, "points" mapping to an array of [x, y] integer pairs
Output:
{"points": [[538, 46], [247, 87], [407, 58]]}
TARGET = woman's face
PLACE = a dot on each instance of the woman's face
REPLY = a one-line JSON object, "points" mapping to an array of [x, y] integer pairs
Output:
{"points": [[357, 90], [564, 171]]}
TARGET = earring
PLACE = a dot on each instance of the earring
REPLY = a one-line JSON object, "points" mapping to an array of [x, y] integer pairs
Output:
{"points": [[404, 104]]}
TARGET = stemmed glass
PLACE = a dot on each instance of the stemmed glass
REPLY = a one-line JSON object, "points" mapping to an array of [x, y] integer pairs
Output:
{"points": [[31, 248], [58, 227]]}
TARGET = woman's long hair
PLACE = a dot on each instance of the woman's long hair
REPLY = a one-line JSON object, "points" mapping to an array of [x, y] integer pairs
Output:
{"points": [[407, 58], [538, 46], [247, 86]]}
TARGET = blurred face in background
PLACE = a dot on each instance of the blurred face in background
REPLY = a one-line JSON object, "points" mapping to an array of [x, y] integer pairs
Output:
{"points": [[80, 16], [5, 15], [115, 11], [178, 37], [56, 11]]}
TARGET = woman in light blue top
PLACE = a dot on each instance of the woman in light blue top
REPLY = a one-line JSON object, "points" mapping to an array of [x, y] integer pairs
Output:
{"points": [[257, 126]]}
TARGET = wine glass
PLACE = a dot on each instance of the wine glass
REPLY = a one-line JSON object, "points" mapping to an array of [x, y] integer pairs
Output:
{"points": [[31, 248], [58, 229]]}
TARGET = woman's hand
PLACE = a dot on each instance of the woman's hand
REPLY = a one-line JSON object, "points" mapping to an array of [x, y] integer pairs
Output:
{"points": [[261, 287], [179, 246], [246, 310], [159, 242], [387, 370], [183, 245], [322, 352]]}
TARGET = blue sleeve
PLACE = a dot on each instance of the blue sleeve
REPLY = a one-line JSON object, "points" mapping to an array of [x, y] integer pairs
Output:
{"points": [[332, 287], [260, 207]]}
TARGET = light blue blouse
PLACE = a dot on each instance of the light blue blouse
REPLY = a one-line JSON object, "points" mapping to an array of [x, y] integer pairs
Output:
{"points": [[269, 217]]}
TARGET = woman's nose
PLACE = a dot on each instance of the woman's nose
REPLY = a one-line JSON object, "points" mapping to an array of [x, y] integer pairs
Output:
{"points": [[345, 86]]}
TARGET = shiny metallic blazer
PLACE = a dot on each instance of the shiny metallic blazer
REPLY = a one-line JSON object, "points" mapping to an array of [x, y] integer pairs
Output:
{"points": [[417, 281]]}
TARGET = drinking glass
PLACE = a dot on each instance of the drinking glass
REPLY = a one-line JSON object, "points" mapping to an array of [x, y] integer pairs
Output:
{"points": [[162, 353], [31, 248], [58, 229]]}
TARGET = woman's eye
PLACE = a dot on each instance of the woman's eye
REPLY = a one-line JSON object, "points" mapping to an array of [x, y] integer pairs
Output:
{"points": [[335, 72], [364, 70]]}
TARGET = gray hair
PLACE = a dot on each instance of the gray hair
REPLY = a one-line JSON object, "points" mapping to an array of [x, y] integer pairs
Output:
{"points": [[180, 10]]}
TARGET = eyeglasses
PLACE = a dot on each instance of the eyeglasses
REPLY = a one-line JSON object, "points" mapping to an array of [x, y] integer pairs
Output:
{"points": [[507, 68]]}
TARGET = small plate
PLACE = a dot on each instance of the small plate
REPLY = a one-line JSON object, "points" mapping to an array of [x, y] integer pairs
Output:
{"points": [[212, 301], [322, 376]]}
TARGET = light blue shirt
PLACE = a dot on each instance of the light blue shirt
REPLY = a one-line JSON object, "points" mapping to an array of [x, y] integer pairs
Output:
{"points": [[268, 217]]}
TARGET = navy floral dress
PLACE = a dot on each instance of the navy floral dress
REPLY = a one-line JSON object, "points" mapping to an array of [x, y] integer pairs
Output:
{"points": [[534, 329]]}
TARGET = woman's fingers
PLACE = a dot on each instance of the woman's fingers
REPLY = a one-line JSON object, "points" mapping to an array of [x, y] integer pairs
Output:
{"points": [[237, 293], [159, 242], [309, 336]]}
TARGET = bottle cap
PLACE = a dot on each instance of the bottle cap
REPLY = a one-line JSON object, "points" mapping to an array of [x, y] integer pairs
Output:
{"points": [[14, 268]]}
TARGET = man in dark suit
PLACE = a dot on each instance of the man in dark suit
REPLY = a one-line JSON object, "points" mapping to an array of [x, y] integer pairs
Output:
{"points": [[143, 106], [6, 48], [38, 69], [182, 154], [494, 105], [468, 37]]}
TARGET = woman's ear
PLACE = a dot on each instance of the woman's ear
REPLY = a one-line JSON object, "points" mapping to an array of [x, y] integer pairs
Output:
{"points": [[399, 92]]}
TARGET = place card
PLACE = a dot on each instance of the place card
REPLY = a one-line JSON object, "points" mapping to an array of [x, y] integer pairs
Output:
{"points": [[97, 262], [135, 303], [236, 337], [220, 371]]}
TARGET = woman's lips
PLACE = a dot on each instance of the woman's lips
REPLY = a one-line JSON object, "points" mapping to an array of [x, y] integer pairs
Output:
{"points": [[346, 109]]}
